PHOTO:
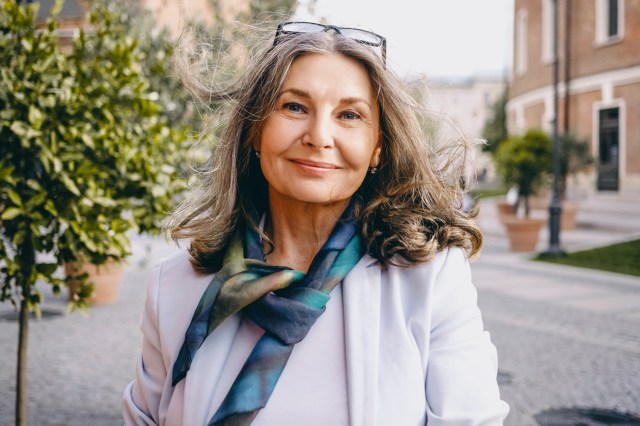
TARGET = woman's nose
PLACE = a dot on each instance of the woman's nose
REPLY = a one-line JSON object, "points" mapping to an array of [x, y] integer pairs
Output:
{"points": [[320, 132]]}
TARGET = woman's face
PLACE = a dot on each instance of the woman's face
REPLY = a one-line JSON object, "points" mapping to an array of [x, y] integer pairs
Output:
{"points": [[324, 133]]}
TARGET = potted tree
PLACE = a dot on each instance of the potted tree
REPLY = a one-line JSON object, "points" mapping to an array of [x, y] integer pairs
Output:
{"points": [[524, 162], [86, 157], [575, 157]]}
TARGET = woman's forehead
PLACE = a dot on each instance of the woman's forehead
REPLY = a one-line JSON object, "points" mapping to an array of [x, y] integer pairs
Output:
{"points": [[325, 72]]}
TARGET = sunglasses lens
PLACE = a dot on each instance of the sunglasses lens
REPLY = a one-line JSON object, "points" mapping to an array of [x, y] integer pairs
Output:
{"points": [[362, 36], [302, 27]]}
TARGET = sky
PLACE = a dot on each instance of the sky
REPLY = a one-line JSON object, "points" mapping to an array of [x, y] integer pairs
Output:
{"points": [[437, 38]]}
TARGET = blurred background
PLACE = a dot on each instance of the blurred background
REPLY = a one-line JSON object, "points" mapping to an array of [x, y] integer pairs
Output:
{"points": [[96, 133]]}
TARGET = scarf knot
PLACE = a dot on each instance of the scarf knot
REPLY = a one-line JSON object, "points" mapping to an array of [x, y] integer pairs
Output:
{"points": [[284, 302]]}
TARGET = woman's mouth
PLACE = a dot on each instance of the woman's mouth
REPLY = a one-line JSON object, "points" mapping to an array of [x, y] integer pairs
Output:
{"points": [[314, 167]]}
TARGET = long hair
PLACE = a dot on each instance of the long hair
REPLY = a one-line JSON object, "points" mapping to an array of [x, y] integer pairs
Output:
{"points": [[411, 208]]}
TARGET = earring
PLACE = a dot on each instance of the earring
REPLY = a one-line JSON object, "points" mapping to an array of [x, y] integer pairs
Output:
{"points": [[373, 170], [256, 153]]}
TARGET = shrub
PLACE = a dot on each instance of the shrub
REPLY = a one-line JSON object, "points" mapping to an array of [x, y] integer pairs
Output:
{"points": [[524, 162]]}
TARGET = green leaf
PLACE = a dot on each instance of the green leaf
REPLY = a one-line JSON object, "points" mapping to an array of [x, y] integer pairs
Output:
{"points": [[20, 128], [10, 213], [36, 200], [15, 198], [105, 202], [47, 269], [33, 184], [87, 140], [27, 44], [50, 207], [35, 117], [69, 184]]}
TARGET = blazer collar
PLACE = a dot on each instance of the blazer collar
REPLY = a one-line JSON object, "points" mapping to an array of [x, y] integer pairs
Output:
{"points": [[361, 307]]}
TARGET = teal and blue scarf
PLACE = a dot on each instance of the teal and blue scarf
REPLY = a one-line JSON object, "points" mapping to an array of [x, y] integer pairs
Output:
{"points": [[283, 301]]}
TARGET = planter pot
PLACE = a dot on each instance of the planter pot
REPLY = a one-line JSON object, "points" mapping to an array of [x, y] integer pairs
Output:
{"points": [[539, 202], [505, 210], [568, 215], [523, 233], [106, 279]]}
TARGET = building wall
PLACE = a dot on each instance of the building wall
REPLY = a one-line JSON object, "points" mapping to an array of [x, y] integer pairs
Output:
{"points": [[467, 102], [175, 14], [463, 106], [539, 67], [534, 117], [603, 74], [581, 111], [592, 57], [631, 94]]}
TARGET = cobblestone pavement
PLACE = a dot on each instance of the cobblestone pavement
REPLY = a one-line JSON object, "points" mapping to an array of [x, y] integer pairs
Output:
{"points": [[566, 336], [564, 339]]}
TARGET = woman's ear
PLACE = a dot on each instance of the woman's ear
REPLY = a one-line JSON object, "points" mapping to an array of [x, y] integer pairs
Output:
{"points": [[375, 157], [256, 149]]}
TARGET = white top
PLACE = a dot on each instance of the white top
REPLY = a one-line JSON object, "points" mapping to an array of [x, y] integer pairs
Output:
{"points": [[414, 347], [312, 389]]}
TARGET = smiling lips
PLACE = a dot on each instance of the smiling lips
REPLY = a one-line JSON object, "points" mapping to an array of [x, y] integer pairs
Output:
{"points": [[313, 166]]}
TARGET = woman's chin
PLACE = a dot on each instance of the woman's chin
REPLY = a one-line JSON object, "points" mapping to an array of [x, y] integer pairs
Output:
{"points": [[319, 196]]}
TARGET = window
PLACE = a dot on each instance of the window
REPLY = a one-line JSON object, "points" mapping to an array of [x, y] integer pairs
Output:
{"points": [[609, 21], [521, 42], [547, 31], [612, 22]]}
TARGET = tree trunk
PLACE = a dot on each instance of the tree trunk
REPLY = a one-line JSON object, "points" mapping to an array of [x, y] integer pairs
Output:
{"points": [[21, 376], [27, 258]]}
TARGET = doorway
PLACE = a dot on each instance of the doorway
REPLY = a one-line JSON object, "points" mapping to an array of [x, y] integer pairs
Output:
{"points": [[609, 149]]}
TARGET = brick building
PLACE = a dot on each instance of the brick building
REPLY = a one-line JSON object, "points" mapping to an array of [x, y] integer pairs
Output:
{"points": [[599, 81], [172, 15]]}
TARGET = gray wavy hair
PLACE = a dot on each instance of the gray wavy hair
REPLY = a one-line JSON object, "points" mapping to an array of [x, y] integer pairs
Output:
{"points": [[411, 207]]}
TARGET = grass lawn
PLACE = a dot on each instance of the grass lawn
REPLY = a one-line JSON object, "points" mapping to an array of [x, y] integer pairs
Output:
{"points": [[623, 258], [487, 192]]}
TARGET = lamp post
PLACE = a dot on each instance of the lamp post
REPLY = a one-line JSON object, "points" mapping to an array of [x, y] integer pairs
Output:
{"points": [[555, 207]]}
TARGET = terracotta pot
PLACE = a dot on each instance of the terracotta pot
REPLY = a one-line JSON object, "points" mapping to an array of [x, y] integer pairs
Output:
{"points": [[568, 215], [106, 279], [523, 233], [505, 210], [539, 202]]}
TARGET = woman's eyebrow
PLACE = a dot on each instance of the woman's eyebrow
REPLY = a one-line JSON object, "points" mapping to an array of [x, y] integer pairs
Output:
{"points": [[298, 92], [353, 100], [343, 101]]}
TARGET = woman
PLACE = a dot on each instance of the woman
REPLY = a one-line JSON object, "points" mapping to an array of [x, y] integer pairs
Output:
{"points": [[327, 279]]}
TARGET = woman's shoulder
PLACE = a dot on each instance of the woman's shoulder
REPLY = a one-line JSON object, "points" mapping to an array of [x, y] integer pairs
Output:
{"points": [[174, 275], [450, 259], [180, 259], [446, 273]]}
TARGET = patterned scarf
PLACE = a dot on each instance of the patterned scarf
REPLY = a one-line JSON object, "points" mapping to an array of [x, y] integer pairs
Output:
{"points": [[283, 301]]}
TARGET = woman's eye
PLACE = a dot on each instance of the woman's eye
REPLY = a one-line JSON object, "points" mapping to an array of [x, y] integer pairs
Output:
{"points": [[293, 107], [350, 115]]}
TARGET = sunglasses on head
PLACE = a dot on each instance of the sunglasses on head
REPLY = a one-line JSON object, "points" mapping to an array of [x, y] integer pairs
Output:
{"points": [[361, 36]]}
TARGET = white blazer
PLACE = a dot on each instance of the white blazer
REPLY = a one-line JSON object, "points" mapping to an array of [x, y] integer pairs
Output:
{"points": [[416, 351]]}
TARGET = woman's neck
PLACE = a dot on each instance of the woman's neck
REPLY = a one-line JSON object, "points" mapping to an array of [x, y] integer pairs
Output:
{"points": [[299, 230]]}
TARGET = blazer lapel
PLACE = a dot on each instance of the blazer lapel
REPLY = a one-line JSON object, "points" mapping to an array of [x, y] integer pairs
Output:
{"points": [[201, 394], [361, 305]]}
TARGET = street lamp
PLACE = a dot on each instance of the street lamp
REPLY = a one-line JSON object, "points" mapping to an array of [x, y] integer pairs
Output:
{"points": [[555, 207]]}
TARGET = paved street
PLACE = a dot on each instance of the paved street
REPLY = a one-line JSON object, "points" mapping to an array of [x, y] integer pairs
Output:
{"points": [[566, 337]]}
